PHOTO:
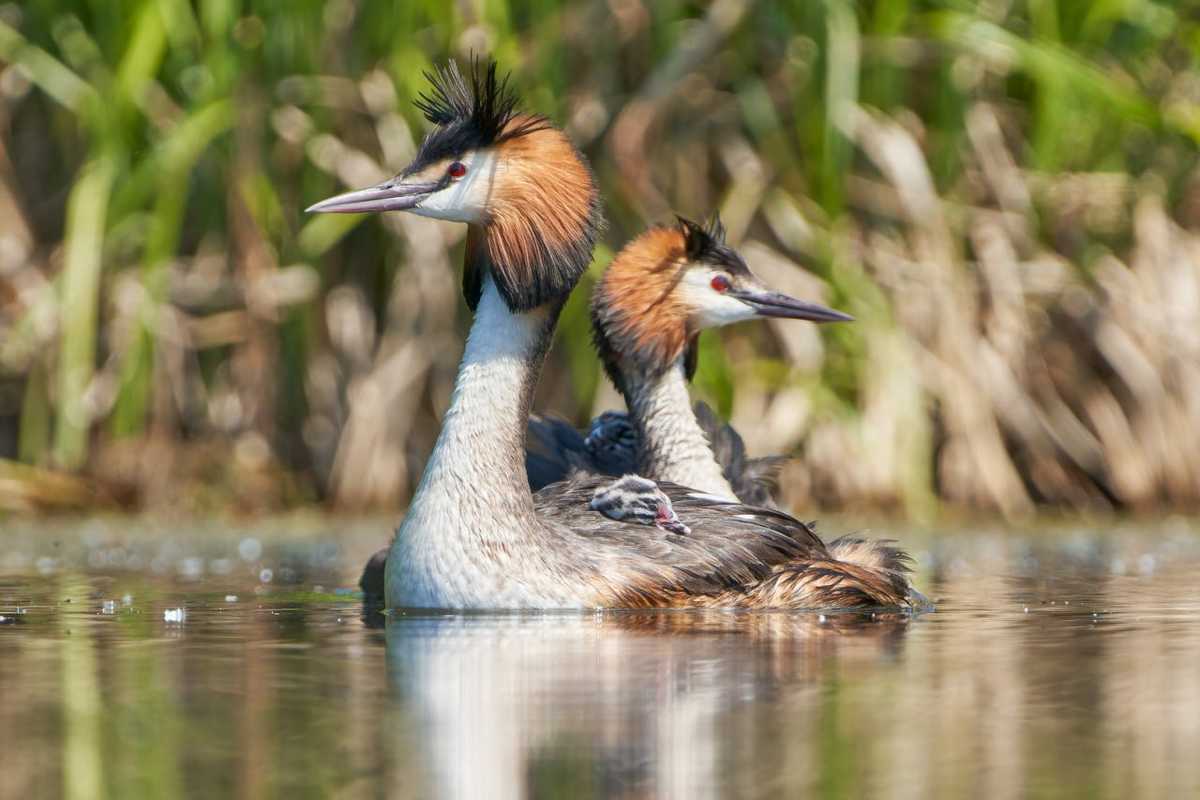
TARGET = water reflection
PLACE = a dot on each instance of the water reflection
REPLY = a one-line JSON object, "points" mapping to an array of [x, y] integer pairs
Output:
{"points": [[623, 704], [1057, 665]]}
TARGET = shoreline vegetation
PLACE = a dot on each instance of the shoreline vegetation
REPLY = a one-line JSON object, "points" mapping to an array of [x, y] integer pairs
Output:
{"points": [[1006, 196]]}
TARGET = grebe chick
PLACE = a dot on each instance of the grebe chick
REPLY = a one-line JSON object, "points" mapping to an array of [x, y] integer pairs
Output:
{"points": [[636, 499], [474, 536]]}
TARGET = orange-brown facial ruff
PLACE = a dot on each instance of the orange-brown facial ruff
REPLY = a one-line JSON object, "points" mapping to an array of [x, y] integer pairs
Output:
{"points": [[638, 320], [539, 236], [528, 195]]}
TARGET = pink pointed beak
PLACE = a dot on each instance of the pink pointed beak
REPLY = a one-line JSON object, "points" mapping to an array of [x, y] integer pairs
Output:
{"points": [[668, 521]]}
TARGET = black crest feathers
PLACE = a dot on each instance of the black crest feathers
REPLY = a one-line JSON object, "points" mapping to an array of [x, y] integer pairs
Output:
{"points": [[707, 243], [469, 115], [543, 216], [488, 104]]}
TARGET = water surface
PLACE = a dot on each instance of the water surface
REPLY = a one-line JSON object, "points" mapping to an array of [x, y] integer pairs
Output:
{"points": [[219, 661]]}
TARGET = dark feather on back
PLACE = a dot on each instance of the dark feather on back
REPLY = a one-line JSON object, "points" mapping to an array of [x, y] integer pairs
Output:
{"points": [[555, 451], [731, 546], [754, 480]]}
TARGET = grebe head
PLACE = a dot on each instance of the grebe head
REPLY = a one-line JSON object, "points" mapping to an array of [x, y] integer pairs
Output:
{"points": [[633, 498], [672, 282], [527, 194]]}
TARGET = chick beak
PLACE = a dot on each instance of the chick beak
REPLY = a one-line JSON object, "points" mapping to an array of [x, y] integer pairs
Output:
{"points": [[392, 195], [666, 520], [777, 304]]}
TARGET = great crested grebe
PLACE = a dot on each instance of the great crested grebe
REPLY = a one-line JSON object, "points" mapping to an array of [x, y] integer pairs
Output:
{"points": [[648, 309], [474, 536], [664, 287]]}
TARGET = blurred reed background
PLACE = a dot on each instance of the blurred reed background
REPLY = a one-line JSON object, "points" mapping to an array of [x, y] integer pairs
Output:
{"points": [[1006, 195]]}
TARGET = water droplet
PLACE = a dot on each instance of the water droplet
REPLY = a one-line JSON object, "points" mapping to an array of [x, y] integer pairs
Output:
{"points": [[93, 532], [191, 568], [249, 549]]}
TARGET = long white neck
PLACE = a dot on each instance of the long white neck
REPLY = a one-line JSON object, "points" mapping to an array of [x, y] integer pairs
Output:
{"points": [[473, 500], [672, 445]]}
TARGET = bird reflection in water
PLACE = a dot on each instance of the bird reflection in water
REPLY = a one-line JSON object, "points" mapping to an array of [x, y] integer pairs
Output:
{"points": [[618, 704]]}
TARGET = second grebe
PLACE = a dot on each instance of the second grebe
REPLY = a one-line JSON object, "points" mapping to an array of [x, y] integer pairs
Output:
{"points": [[474, 536], [659, 291], [648, 309]]}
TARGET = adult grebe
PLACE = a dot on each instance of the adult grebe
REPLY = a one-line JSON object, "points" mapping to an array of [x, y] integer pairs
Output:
{"points": [[474, 537], [648, 309], [655, 298], [663, 288]]}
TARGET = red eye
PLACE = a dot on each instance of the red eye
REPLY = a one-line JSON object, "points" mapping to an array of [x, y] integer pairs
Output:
{"points": [[720, 283], [456, 170]]}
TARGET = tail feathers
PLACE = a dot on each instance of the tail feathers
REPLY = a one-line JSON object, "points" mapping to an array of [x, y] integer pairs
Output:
{"points": [[883, 555], [828, 583], [872, 553]]}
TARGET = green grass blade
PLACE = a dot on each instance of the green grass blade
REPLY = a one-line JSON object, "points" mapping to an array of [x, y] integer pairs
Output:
{"points": [[47, 73], [842, 60], [80, 290]]}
